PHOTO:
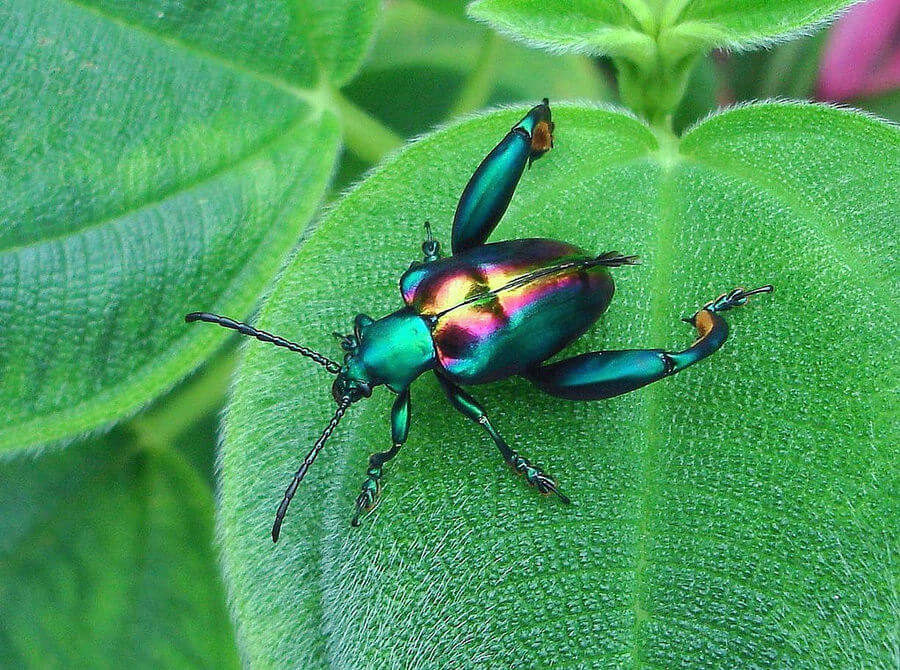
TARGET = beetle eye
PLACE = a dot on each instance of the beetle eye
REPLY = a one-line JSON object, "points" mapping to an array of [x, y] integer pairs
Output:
{"points": [[337, 389], [349, 388], [348, 342]]}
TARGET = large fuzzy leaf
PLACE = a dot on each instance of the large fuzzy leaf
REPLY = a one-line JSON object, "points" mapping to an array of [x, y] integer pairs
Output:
{"points": [[106, 562], [737, 514], [156, 157]]}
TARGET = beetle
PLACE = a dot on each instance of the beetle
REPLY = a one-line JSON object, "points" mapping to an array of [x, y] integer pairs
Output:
{"points": [[487, 312]]}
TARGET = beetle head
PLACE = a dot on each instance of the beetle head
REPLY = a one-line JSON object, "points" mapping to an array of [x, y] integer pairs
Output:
{"points": [[351, 381], [345, 387]]}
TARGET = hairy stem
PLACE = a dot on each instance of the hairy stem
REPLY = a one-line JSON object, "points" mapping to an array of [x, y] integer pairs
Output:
{"points": [[480, 82], [364, 135]]}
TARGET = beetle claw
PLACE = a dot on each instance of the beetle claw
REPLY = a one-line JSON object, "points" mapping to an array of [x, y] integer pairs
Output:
{"points": [[535, 476], [366, 502], [547, 485]]}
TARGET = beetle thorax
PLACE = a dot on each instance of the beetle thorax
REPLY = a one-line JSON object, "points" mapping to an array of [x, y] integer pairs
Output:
{"points": [[393, 351]]}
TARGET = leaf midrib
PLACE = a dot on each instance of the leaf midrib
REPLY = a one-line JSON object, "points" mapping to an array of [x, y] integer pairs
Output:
{"points": [[658, 318]]}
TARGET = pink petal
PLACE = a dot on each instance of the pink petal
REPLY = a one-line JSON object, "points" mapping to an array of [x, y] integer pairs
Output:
{"points": [[857, 45]]}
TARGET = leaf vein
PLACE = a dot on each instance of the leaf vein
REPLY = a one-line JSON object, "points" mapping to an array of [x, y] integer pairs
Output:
{"points": [[268, 143]]}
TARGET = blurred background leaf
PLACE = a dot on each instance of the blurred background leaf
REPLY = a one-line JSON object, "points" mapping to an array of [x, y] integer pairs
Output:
{"points": [[740, 514], [429, 66], [106, 561]]}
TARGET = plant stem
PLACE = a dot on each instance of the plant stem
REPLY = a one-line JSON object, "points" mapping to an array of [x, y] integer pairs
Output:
{"points": [[364, 135], [159, 427], [480, 82]]}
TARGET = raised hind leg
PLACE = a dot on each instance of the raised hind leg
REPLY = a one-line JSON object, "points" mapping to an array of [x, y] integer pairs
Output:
{"points": [[604, 374], [469, 407], [487, 195]]}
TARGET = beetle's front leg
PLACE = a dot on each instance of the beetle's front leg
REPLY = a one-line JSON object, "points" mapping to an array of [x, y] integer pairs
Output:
{"points": [[469, 407], [370, 495]]}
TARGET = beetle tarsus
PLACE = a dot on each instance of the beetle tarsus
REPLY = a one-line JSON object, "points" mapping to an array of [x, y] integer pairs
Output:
{"points": [[369, 497], [613, 259], [536, 477], [734, 298], [551, 487]]}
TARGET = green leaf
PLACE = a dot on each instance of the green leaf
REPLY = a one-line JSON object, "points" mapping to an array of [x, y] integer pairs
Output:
{"points": [[106, 561], [738, 514], [629, 27], [156, 158], [654, 44], [453, 8]]}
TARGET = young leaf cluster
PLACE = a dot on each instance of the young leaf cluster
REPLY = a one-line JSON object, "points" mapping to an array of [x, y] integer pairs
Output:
{"points": [[654, 43]]}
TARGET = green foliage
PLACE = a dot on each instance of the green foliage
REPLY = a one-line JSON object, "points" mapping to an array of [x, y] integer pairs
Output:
{"points": [[740, 514], [106, 562], [787, 71], [162, 156], [156, 158], [654, 44], [436, 67]]}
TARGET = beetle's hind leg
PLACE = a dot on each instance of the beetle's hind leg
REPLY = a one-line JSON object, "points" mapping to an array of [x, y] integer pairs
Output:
{"points": [[469, 407], [604, 374], [491, 187]]}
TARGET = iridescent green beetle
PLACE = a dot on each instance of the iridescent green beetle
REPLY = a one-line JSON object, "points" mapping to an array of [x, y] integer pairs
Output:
{"points": [[490, 311]]}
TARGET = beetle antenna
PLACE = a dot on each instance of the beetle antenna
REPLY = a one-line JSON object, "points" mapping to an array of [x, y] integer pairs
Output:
{"points": [[301, 471], [263, 336]]}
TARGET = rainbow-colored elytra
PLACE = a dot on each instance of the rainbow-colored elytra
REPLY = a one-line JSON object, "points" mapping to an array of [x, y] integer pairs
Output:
{"points": [[494, 314]]}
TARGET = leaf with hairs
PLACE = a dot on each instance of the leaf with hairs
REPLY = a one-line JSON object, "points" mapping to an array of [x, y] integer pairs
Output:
{"points": [[739, 514]]}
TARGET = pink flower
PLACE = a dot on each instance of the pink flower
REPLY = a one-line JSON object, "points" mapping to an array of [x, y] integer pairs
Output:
{"points": [[862, 54]]}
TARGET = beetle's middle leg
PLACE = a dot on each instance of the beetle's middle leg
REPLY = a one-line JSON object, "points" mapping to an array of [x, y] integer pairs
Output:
{"points": [[370, 495], [469, 407]]}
